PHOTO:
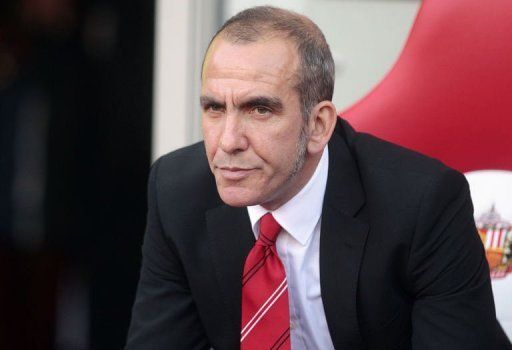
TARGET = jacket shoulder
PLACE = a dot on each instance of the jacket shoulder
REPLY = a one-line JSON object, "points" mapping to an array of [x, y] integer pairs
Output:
{"points": [[398, 179], [375, 155]]}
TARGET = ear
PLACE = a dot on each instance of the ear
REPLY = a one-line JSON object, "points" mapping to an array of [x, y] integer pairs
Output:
{"points": [[322, 121]]}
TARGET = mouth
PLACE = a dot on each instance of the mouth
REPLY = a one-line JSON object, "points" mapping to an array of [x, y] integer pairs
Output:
{"points": [[234, 173]]}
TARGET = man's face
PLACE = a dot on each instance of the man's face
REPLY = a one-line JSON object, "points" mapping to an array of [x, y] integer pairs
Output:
{"points": [[252, 122]]}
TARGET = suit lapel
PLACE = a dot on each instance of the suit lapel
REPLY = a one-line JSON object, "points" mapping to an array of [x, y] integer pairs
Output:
{"points": [[231, 238], [342, 242]]}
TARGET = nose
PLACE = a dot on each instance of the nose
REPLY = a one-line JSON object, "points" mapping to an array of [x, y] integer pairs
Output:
{"points": [[233, 138]]}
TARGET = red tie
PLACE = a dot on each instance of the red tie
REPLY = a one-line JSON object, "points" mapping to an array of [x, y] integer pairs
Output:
{"points": [[265, 310]]}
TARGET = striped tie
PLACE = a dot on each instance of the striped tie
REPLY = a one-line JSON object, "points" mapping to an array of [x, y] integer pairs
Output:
{"points": [[265, 311]]}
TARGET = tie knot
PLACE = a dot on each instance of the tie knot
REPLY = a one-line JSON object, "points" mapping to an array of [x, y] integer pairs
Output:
{"points": [[269, 229]]}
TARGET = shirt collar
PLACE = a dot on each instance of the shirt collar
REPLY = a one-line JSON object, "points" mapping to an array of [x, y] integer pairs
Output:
{"points": [[300, 214]]}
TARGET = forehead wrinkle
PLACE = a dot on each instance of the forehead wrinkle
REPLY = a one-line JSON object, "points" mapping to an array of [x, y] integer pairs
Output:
{"points": [[215, 58], [248, 74], [231, 72], [221, 85]]}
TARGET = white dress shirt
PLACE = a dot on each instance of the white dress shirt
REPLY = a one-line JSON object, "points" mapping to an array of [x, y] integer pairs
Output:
{"points": [[298, 247]]}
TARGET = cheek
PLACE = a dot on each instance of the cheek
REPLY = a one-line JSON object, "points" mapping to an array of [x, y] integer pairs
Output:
{"points": [[279, 152], [211, 139]]}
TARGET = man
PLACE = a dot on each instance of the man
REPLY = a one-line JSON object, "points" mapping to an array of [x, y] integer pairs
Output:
{"points": [[376, 246]]}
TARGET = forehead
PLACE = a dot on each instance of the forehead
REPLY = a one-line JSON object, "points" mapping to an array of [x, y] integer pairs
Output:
{"points": [[270, 61]]}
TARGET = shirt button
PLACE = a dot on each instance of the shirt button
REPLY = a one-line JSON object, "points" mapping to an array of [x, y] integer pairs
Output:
{"points": [[291, 325]]}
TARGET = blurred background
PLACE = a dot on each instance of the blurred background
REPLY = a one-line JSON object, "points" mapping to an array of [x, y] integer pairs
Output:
{"points": [[90, 93], [75, 119]]}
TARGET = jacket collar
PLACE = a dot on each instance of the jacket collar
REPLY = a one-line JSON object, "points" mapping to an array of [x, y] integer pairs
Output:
{"points": [[342, 241]]}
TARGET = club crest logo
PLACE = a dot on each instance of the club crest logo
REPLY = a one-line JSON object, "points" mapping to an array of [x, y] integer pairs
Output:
{"points": [[496, 235], [491, 191]]}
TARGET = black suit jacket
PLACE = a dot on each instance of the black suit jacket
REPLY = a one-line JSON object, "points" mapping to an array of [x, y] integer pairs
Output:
{"points": [[401, 263]]}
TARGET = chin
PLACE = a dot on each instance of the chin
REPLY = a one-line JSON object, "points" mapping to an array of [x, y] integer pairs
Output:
{"points": [[237, 197]]}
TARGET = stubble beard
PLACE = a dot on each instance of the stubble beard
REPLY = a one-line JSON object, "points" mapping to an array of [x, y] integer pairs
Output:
{"points": [[300, 155]]}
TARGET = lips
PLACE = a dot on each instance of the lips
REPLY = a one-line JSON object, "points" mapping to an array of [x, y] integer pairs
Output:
{"points": [[233, 173]]}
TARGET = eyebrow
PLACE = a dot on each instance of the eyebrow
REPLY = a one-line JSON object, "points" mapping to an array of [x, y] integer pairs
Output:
{"points": [[208, 101], [273, 103]]}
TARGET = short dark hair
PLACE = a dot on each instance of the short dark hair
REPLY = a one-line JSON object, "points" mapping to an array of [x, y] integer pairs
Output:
{"points": [[315, 73]]}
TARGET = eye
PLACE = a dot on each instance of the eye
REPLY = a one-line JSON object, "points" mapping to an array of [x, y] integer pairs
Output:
{"points": [[215, 108], [261, 111]]}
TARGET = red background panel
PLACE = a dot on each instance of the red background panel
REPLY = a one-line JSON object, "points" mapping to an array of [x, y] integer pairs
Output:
{"points": [[449, 95]]}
